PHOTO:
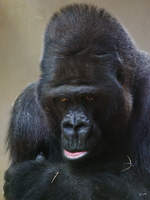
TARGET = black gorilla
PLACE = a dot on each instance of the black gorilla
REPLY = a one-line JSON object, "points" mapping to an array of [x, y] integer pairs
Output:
{"points": [[83, 130]]}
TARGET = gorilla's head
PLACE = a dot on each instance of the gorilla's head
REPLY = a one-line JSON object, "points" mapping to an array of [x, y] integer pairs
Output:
{"points": [[86, 82]]}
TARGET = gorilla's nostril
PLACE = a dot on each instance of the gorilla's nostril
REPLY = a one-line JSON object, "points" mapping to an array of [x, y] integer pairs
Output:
{"points": [[67, 125], [80, 126], [67, 128]]}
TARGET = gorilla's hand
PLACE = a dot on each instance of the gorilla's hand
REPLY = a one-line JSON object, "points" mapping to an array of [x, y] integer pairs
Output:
{"points": [[26, 178]]}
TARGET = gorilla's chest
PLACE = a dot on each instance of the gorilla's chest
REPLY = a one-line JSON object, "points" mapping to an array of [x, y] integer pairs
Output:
{"points": [[97, 186]]}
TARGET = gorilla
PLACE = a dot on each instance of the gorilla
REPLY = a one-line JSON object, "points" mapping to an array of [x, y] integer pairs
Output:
{"points": [[82, 131]]}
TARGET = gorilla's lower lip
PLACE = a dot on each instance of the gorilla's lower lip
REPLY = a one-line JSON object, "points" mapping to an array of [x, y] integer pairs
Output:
{"points": [[74, 155]]}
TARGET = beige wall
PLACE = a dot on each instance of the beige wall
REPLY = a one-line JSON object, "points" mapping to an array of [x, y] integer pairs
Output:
{"points": [[22, 24]]}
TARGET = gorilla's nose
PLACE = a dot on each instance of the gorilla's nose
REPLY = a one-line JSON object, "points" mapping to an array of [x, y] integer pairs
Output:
{"points": [[76, 125], [79, 128]]}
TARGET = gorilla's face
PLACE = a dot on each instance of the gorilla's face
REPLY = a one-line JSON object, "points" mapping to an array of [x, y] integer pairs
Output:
{"points": [[85, 97]]}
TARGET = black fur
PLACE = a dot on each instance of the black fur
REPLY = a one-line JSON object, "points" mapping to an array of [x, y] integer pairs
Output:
{"points": [[92, 74]]}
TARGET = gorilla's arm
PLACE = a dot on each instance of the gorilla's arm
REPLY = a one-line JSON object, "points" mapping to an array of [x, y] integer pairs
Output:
{"points": [[28, 135], [29, 132], [39, 179], [27, 180], [139, 126]]}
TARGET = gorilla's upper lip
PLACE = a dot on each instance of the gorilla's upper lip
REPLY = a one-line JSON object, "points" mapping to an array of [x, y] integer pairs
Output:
{"points": [[74, 155]]}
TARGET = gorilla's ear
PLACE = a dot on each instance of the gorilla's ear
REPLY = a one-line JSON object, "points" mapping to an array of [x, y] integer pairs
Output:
{"points": [[140, 124]]}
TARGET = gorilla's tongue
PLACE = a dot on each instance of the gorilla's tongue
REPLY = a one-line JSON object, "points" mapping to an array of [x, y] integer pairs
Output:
{"points": [[74, 155]]}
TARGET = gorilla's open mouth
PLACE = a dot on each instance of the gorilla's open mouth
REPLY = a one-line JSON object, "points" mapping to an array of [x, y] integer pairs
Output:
{"points": [[74, 155]]}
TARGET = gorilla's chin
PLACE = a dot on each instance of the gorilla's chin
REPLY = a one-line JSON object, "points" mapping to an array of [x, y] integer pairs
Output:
{"points": [[74, 155]]}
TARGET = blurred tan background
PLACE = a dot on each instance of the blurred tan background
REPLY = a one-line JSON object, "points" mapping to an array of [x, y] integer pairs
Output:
{"points": [[22, 23]]}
